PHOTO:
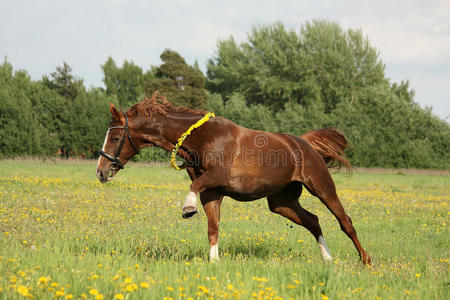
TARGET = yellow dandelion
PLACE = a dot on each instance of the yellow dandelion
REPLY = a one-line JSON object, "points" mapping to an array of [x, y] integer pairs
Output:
{"points": [[43, 280], [203, 288], [93, 292], [119, 296], [59, 293], [128, 280], [99, 297], [291, 286], [69, 296], [418, 275], [169, 288], [23, 290], [144, 285], [230, 286], [324, 297]]}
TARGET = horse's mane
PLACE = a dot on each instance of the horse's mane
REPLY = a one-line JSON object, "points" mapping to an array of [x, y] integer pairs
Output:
{"points": [[160, 104]]}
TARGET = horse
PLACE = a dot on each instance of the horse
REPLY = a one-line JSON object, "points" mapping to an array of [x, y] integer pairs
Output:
{"points": [[225, 159]]}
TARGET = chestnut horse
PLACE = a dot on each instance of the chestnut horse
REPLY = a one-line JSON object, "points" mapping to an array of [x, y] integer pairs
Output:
{"points": [[225, 159]]}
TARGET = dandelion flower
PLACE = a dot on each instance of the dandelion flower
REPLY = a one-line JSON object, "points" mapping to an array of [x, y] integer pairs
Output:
{"points": [[23, 290]]}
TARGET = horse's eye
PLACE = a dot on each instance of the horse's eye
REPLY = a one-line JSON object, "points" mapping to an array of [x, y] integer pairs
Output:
{"points": [[114, 139]]}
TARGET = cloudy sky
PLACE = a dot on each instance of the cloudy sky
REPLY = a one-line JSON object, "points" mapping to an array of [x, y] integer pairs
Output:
{"points": [[413, 36]]}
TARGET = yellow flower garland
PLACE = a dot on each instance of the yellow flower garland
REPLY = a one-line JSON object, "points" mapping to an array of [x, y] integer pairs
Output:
{"points": [[180, 141]]}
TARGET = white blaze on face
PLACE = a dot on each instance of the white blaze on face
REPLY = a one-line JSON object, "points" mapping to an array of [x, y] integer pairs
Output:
{"points": [[103, 147], [324, 249], [214, 253]]}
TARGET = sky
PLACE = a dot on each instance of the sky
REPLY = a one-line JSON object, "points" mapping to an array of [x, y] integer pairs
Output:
{"points": [[412, 36]]}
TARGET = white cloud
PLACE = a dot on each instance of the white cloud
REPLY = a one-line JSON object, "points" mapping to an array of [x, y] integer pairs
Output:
{"points": [[407, 32], [206, 35]]}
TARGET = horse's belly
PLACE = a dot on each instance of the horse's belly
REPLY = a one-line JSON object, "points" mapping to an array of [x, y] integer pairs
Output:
{"points": [[247, 188], [242, 197]]}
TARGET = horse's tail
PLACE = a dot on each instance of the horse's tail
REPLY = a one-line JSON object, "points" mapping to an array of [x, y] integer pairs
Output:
{"points": [[330, 143]]}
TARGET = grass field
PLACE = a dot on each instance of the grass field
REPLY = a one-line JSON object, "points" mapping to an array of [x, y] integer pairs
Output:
{"points": [[64, 235]]}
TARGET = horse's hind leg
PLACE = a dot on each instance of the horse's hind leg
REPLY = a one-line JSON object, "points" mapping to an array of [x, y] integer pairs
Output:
{"points": [[286, 204], [323, 187]]}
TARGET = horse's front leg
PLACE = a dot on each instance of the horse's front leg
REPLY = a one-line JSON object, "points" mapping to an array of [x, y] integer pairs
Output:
{"points": [[211, 201], [189, 207], [208, 180]]}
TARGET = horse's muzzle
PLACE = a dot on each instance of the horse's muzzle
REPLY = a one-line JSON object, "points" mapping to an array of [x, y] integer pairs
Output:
{"points": [[105, 176], [102, 177]]}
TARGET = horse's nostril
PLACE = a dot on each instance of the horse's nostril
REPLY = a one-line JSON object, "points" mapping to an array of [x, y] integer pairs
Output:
{"points": [[100, 175]]}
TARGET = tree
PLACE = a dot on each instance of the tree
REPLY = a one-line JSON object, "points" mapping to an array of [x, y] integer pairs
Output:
{"points": [[321, 64], [63, 82], [127, 83], [182, 84], [21, 132]]}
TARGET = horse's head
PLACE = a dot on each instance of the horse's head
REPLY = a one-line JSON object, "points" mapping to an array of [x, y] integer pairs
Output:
{"points": [[118, 147]]}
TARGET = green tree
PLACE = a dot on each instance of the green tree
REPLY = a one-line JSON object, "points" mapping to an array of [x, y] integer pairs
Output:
{"points": [[63, 82], [127, 83], [77, 118], [182, 84], [320, 64], [21, 133]]}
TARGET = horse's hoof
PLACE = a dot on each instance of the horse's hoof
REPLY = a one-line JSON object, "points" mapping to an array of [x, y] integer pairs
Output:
{"points": [[367, 261], [189, 211]]}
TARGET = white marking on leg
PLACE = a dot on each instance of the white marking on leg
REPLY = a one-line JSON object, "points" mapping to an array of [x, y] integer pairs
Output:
{"points": [[324, 249], [214, 253], [191, 200]]}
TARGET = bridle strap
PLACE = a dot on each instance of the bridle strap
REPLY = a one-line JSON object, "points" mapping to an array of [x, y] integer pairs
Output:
{"points": [[126, 134]]}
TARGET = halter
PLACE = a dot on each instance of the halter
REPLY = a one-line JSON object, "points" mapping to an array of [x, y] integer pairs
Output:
{"points": [[115, 160]]}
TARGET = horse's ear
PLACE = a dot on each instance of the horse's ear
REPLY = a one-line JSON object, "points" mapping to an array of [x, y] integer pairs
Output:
{"points": [[115, 114]]}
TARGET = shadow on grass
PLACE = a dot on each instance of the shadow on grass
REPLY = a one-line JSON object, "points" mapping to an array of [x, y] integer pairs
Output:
{"points": [[233, 251]]}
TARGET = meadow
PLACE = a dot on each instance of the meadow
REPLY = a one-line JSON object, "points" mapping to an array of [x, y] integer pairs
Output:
{"points": [[64, 235]]}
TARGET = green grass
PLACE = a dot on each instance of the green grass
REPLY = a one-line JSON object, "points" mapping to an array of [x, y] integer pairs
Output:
{"points": [[63, 234]]}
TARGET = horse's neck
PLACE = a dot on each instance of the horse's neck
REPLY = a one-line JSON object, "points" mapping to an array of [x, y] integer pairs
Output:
{"points": [[175, 124]]}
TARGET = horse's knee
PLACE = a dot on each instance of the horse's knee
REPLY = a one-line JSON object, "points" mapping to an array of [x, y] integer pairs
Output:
{"points": [[213, 229]]}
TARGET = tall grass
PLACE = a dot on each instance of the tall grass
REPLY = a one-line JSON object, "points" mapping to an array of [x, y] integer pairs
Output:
{"points": [[64, 235]]}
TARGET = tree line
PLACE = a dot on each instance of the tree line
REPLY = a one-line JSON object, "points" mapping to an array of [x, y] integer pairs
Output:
{"points": [[277, 80]]}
